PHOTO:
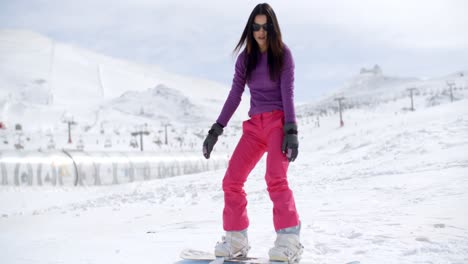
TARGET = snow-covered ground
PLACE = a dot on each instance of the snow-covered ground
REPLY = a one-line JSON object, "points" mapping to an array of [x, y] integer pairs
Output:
{"points": [[391, 186]]}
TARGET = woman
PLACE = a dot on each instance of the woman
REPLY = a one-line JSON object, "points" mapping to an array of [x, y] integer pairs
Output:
{"points": [[267, 67]]}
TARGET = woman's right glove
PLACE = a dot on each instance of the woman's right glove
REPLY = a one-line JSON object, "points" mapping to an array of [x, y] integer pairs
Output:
{"points": [[211, 139]]}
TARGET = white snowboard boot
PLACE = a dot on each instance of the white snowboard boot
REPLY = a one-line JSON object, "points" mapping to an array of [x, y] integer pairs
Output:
{"points": [[287, 248], [233, 244]]}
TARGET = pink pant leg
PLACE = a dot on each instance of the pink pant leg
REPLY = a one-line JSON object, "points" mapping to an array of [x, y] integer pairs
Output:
{"points": [[284, 207], [248, 152]]}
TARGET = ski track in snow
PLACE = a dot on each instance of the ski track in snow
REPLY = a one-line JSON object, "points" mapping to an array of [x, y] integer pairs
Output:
{"points": [[389, 191]]}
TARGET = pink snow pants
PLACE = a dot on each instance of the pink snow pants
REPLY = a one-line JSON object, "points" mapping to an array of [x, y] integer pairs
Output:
{"points": [[261, 133]]}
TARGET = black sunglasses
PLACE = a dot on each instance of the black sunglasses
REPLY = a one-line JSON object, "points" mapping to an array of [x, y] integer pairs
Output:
{"points": [[257, 27]]}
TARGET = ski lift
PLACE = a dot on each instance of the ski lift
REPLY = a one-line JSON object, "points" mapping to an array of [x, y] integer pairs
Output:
{"points": [[19, 144], [51, 144], [108, 143], [134, 142], [80, 145], [157, 140]]}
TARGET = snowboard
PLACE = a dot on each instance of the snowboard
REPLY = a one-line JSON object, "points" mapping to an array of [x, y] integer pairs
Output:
{"points": [[207, 257], [200, 257]]}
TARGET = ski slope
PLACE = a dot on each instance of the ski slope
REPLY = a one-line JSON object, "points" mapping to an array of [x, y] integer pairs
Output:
{"points": [[388, 187], [42, 81]]}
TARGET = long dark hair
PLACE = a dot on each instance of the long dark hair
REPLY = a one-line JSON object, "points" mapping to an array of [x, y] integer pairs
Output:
{"points": [[275, 42]]}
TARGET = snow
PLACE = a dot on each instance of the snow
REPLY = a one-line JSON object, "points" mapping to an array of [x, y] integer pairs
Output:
{"points": [[388, 187], [385, 188]]}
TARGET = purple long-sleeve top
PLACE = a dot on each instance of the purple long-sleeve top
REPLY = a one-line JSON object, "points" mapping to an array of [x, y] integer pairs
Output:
{"points": [[265, 95]]}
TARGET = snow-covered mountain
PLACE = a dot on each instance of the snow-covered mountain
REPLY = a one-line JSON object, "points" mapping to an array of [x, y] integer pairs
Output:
{"points": [[43, 82], [154, 102], [41, 79], [372, 87]]}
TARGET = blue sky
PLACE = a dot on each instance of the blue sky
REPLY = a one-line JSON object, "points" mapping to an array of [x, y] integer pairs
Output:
{"points": [[330, 40]]}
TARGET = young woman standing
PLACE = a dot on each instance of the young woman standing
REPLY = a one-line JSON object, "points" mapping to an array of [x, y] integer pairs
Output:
{"points": [[267, 67]]}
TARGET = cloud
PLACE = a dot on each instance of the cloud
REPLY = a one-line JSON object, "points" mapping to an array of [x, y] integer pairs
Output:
{"points": [[405, 24]]}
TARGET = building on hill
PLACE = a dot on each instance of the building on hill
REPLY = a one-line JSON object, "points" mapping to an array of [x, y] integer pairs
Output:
{"points": [[376, 70]]}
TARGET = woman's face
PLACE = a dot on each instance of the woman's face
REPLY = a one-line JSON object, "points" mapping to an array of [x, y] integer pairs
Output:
{"points": [[260, 35]]}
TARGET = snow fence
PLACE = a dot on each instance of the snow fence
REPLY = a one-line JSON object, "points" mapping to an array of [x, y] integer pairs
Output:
{"points": [[75, 168]]}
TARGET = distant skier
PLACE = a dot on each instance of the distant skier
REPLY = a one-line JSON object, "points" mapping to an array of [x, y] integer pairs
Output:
{"points": [[266, 65]]}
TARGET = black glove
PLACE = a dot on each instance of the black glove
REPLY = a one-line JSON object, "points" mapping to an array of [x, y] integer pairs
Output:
{"points": [[215, 131], [290, 142]]}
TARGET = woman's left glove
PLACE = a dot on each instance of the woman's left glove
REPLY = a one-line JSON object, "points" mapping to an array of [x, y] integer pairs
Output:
{"points": [[211, 139], [290, 141]]}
